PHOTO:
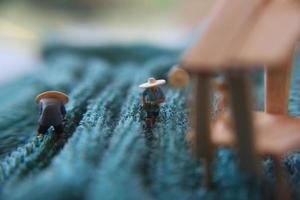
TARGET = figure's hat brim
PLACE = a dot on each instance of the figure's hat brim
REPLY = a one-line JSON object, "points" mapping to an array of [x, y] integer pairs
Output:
{"points": [[52, 94], [156, 83]]}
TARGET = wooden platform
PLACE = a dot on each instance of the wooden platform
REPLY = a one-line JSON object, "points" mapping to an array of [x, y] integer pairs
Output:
{"points": [[223, 35], [274, 134], [245, 34]]}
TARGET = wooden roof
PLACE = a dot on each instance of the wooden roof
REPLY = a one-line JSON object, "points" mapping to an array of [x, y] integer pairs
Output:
{"points": [[242, 32], [274, 35], [274, 134]]}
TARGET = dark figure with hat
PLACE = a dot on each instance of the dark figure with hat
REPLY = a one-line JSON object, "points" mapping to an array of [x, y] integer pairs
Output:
{"points": [[152, 97], [52, 112]]}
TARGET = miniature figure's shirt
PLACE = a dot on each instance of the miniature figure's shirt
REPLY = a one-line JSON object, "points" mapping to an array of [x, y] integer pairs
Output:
{"points": [[51, 112], [150, 97]]}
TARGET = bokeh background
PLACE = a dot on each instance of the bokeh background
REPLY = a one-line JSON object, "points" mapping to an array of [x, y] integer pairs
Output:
{"points": [[108, 153], [25, 26]]}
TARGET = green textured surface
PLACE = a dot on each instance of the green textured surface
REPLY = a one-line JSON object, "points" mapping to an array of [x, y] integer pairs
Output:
{"points": [[108, 154]]}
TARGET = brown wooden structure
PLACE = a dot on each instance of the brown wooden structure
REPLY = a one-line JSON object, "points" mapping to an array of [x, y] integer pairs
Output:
{"points": [[239, 36]]}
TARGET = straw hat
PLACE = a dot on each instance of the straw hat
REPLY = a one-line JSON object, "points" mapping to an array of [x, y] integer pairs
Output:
{"points": [[152, 82], [178, 77], [52, 94]]}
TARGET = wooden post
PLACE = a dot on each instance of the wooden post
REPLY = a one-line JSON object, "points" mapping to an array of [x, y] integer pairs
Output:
{"points": [[281, 183], [277, 86], [240, 103], [202, 124]]}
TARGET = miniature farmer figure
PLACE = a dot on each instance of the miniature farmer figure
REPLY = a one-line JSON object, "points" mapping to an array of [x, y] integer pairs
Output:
{"points": [[52, 112], [152, 97]]}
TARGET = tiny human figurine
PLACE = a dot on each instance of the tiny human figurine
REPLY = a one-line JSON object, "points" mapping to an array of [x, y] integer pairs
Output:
{"points": [[222, 106], [52, 112], [152, 97]]}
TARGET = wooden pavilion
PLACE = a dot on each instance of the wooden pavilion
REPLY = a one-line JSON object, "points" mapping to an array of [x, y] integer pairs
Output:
{"points": [[239, 36]]}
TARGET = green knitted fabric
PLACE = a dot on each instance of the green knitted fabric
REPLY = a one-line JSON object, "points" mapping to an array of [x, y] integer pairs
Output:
{"points": [[108, 153]]}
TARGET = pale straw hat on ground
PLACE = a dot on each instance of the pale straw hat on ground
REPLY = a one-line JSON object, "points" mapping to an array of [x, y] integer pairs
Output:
{"points": [[178, 77], [152, 82], [52, 94]]}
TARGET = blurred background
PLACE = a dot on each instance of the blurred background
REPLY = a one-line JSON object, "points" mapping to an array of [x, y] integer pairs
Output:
{"points": [[26, 25]]}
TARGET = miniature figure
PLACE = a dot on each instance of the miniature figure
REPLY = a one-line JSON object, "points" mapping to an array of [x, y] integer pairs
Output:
{"points": [[152, 97], [52, 112], [222, 107]]}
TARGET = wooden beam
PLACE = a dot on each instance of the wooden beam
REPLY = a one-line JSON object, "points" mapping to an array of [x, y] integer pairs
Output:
{"points": [[202, 124], [240, 103], [282, 187], [277, 86]]}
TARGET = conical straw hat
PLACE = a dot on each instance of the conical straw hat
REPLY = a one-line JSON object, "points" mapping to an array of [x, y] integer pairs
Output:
{"points": [[52, 94], [152, 82], [178, 77]]}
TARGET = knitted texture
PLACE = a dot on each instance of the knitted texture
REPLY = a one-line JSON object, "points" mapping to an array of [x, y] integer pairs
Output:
{"points": [[108, 154]]}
